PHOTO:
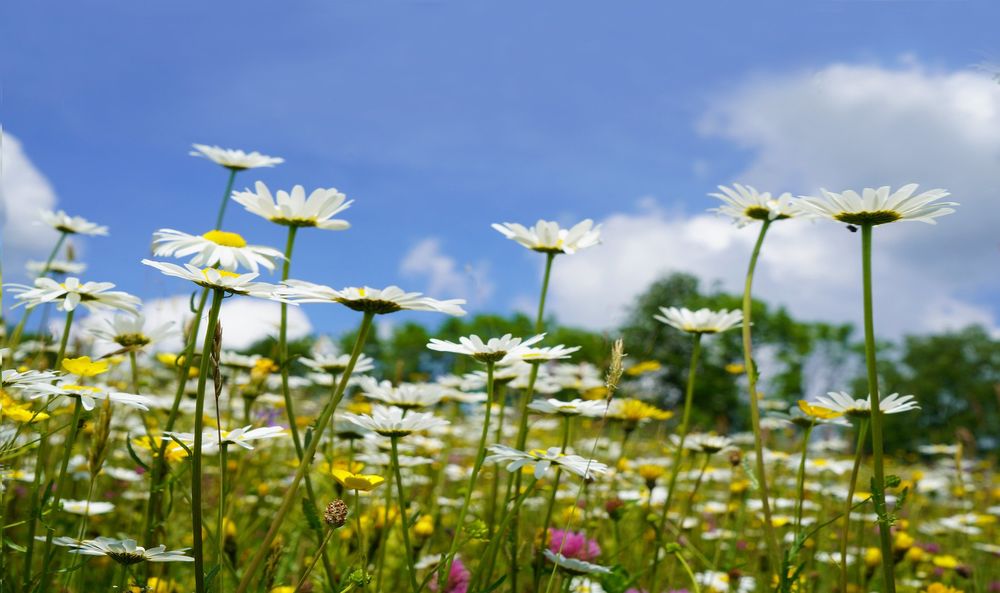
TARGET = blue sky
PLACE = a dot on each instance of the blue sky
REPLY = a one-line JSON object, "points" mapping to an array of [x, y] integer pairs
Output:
{"points": [[439, 118]]}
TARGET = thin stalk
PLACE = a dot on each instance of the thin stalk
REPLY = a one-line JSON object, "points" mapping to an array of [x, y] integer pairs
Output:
{"points": [[800, 482], [225, 198], [539, 319], [687, 569], [36, 490], [852, 484], [878, 463], [321, 425], [283, 346], [197, 547], [444, 570], [15, 336], [675, 470], [494, 544], [407, 548], [65, 339], [770, 538], [555, 481], [312, 565], [362, 551], [220, 529], [74, 429]]}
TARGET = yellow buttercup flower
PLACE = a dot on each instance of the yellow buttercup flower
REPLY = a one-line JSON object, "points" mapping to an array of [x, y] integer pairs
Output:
{"points": [[424, 526], [940, 588], [353, 481], [647, 366], [818, 412], [650, 472], [945, 561], [735, 368], [84, 367], [634, 410], [903, 541], [873, 557]]}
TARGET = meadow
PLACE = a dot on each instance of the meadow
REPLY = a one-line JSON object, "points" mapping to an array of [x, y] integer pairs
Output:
{"points": [[130, 468]]}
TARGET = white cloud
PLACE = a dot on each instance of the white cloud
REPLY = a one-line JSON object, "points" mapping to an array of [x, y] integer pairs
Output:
{"points": [[445, 278], [24, 190], [843, 127]]}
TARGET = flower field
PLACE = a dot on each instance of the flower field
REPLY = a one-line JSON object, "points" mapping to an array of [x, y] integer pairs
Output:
{"points": [[127, 467]]}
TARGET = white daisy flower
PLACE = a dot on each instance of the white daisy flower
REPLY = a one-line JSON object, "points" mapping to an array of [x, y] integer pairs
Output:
{"points": [[26, 380], [57, 266], [499, 350], [122, 551], [721, 582], [585, 585], [839, 401], [86, 507], [548, 353], [389, 421], [89, 394], [226, 250], [235, 160], [129, 331], [337, 363], [744, 204], [71, 225], [408, 396], [940, 449], [576, 407], [709, 444], [574, 566], [366, 299], [702, 321], [541, 460], [295, 208], [879, 206], [547, 237], [240, 436], [230, 282], [71, 292]]}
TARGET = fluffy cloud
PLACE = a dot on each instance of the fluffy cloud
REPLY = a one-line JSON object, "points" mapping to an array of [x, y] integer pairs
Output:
{"points": [[844, 127], [24, 190], [244, 321], [445, 279]]}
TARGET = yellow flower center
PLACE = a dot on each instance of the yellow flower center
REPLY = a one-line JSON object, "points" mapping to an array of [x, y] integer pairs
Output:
{"points": [[225, 239], [81, 388], [223, 273]]}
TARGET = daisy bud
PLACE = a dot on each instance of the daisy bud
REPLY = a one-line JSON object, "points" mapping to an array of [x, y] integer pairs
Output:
{"points": [[336, 513]]}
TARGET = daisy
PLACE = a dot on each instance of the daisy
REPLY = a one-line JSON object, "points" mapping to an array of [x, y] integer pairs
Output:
{"points": [[389, 421], [235, 160], [56, 266], [215, 248], [541, 460], [131, 332], [240, 436], [368, 300], [574, 566], [503, 349], [547, 237], [122, 551], [26, 380], [223, 280], [745, 204], [548, 353], [702, 321], [337, 363], [576, 407], [709, 444], [86, 507], [295, 209], [879, 206], [839, 401], [71, 225], [90, 394], [408, 396], [69, 294]]}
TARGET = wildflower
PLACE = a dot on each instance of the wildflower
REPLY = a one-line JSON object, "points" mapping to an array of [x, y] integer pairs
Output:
{"points": [[86, 507], [235, 160], [226, 250], [547, 237], [408, 396], [122, 551], [56, 266], [744, 204], [458, 578], [390, 421], [817, 412], [337, 363], [335, 514], [84, 367], [879, 206], [295, 209], [702, 321], [71, 225], [213, 278], [541, 460], [131, 332], [367, 299], [573, 545], [72, 293], [940, 588], [353, 481], [574, 566], [840, 402], [242, 437], [576, 407], [90, 394], [424, 527], [634, 411], [641, 368], [548, 353], [497, 350]]}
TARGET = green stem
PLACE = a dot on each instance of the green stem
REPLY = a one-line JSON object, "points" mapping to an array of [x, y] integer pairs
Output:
{"points": [[74, 429], [444, 569], [547, 522], [362, 551], [407, 548], [878, 493], [675, 470], [197, 548], [321, 425], [770, 539], [687, 569], [225, 198], [283, 347], [65, 339], [494, 544], [220, 529], [800, 482], [852, 484], [15, 336], [539, 319]]}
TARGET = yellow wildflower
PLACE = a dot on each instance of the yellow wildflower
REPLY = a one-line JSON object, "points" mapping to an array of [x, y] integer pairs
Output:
{"points": [[945, 561], [641, 368], [817, 412], [424, 527], [873, 557], [84, 367], [353, 481]]}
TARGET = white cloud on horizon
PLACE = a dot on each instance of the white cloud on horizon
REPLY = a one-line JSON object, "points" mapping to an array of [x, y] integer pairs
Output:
{"points": [[24, 190], [445, 278], [843, 127]]}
